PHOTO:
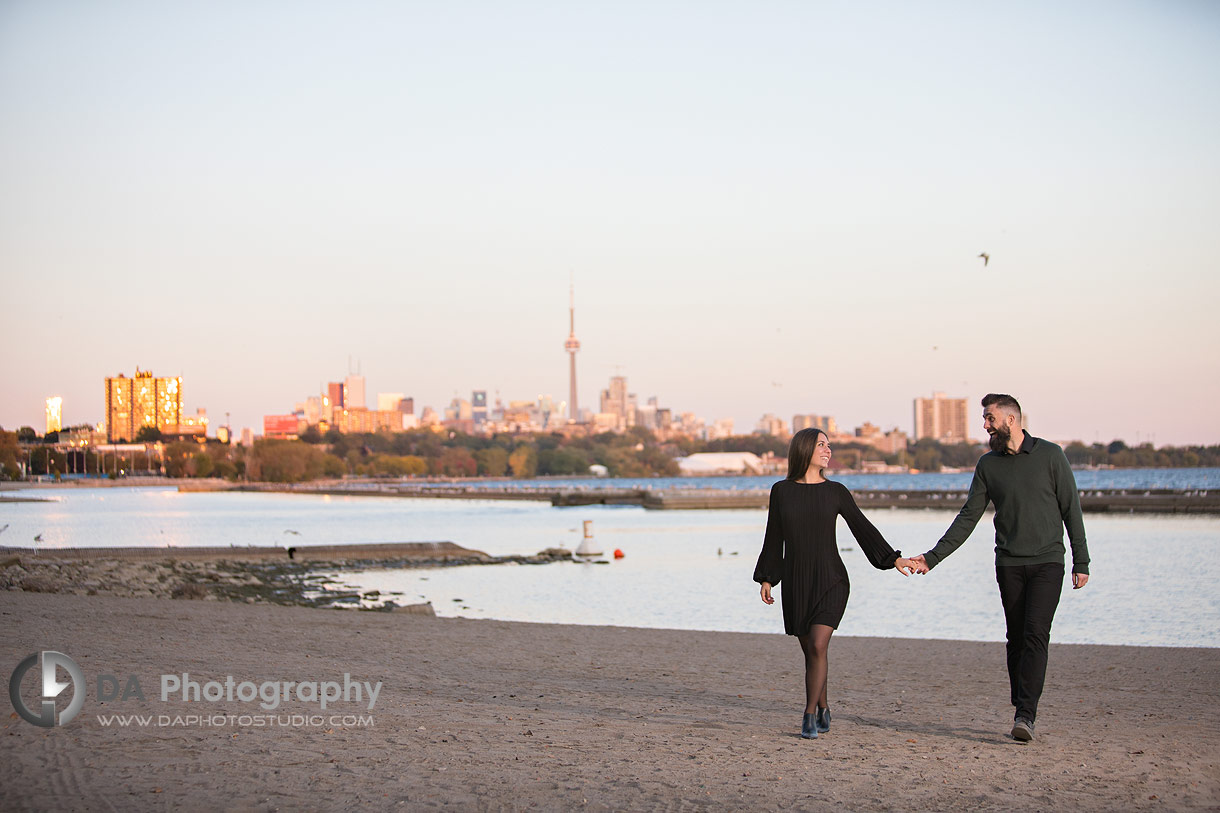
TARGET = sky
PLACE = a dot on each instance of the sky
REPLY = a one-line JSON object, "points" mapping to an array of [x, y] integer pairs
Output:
{"points": [[765, 207]]}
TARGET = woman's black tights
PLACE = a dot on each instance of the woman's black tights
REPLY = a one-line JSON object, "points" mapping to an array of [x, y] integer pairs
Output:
{"points": [[816, 646]]}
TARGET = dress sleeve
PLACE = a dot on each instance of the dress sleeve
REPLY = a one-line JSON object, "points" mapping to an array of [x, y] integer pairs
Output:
{"points": [[770, 567], [878, 551]]}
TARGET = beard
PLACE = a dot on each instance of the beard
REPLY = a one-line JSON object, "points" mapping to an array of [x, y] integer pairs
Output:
{"points": [[999, 440]]}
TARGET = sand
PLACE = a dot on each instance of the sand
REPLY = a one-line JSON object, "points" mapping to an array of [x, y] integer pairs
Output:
{"points": [[477, 715]]}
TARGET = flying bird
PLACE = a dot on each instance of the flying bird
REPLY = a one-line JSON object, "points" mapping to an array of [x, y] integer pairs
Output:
{"points": [[38, 538], [985, 257], [4, 528], [294, 533]]}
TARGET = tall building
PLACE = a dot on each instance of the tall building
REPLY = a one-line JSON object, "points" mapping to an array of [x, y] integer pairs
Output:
{"points": [[771, 425], [824, 422], [144, 400], [54, 414], [941, 418], [388, 400], [618, 402], [353, 392], [572, 345], [334, 394], [478, 407]]}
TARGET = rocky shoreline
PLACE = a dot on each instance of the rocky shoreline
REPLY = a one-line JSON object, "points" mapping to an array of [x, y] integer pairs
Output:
{"points": [[283, 581]]}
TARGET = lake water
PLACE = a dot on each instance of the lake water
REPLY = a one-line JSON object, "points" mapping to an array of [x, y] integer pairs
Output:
{"points": [[1154, 577]]}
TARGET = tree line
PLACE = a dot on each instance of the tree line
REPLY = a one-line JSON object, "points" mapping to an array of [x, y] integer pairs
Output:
{"points": [[421, 453]]}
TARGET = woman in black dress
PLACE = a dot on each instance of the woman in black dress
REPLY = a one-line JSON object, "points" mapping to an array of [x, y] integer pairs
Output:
{"points": [[800, 551]]}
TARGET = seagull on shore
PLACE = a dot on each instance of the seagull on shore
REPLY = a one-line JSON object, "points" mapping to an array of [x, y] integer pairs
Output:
{"points": [[986, 257]]}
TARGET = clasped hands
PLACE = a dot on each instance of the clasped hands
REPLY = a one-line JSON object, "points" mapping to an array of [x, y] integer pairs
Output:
{"points": [[915, 564]]}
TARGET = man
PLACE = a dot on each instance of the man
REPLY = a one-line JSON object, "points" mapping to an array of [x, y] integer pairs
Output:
{"points": [[1034, 492]]}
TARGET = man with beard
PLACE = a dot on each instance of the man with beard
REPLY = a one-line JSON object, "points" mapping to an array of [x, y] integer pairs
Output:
{"points": [[1030, 483]]}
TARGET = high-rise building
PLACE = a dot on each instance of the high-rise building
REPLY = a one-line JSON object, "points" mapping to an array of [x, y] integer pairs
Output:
{"points": [[824, 422], [353, 392], [772, 425], [334, 393], [942, 418], [54, 414], [618, 402], [388, 400], [572, 345], [478, 407], [144, 400]]}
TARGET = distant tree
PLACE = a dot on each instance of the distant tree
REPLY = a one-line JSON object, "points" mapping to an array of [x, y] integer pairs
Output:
{"points": [[493, 461], [563, 461], [148, 434], [9, 451], [1115, 447], [455, 462], [311, 434], [26, 434], [523, 461], [202, 464]]}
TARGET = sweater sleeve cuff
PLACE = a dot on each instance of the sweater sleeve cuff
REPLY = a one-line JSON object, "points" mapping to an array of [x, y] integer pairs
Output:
{"points": [[1081, 567]]}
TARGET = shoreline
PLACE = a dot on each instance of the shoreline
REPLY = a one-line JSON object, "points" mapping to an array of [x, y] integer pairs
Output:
{"points": [[1092, 500], [491, 715], [272, 575]]}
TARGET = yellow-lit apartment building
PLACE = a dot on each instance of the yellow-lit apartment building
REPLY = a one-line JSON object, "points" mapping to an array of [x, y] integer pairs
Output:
{"points": [[143, 400]]}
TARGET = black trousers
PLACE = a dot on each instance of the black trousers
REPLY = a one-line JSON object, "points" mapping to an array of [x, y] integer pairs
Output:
{"points": [[1030, 594]]}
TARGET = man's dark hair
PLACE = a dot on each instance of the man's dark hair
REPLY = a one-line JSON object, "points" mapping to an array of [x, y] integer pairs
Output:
{"points": [[1003, 401]]}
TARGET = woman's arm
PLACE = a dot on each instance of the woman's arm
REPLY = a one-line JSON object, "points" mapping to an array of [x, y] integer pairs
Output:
{"points": [[878, 551], [770, 567]]}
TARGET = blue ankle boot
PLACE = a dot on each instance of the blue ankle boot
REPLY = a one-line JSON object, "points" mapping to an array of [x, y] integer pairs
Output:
{"points": [[823, 720], [809, 727]]}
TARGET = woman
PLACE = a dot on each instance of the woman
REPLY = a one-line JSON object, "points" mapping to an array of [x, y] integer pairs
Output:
{"points": [[799, 550]]}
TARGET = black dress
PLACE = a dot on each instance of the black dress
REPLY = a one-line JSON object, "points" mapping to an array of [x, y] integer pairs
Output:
{"points": [[800, 551]]}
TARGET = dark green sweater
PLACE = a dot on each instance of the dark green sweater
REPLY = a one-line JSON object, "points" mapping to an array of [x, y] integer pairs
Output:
{"points": [[1035, 496]]}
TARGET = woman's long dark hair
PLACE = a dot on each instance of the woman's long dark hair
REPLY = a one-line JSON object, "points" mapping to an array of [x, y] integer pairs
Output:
{"points": [[800, 452]]}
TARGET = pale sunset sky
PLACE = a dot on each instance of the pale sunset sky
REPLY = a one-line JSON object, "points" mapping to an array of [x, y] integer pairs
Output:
{"points": [[765, 206]]}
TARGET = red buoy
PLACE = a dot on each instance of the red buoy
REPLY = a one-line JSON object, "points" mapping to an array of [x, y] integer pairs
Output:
{"points": [[618, 553]]}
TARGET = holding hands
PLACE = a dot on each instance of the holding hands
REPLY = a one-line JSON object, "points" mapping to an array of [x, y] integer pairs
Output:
{"points": [[920, 564]]}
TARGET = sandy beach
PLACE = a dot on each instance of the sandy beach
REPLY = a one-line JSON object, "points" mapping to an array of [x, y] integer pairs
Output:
{"points": [[476, 715]]}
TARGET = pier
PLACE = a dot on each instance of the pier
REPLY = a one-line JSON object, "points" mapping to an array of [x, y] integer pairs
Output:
{"points": [[1112, 501]]}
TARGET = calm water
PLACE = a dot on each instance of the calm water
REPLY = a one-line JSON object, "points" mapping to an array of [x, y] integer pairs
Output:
{"points": [[1153, 577]]}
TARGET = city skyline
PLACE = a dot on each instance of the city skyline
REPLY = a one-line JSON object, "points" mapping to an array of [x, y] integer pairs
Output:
{"points": [[766, 208]]}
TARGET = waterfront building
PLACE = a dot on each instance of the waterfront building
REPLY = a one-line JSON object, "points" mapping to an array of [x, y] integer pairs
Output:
{"points": [[55, 406], [942, 419], [771, 425], [140, 401], [359, 420], [824, 422], [281, 427]]}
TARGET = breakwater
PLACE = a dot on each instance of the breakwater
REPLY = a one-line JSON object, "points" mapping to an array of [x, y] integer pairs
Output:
{"points": [[1118, 501]]}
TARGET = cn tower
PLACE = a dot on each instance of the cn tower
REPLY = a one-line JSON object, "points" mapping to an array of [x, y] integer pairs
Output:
{"points": [[572, 345]]}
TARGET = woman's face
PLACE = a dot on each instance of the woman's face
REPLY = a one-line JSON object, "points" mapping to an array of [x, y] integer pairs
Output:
{"points": [[821, 453]]}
